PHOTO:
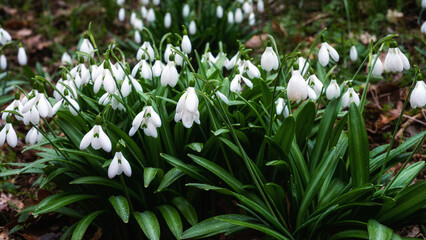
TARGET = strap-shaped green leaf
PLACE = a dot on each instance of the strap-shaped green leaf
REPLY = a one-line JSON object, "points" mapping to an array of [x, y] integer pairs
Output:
{"points": [[285, 134], [149, 224], [378, 231], [149, 174], [54, 203], [121, 207], [84, 224], [173, 220], [187, 210], [171, 176]]}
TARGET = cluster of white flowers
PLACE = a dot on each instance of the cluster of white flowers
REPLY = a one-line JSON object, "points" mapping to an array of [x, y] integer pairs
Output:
{"points": [[5, 38]]}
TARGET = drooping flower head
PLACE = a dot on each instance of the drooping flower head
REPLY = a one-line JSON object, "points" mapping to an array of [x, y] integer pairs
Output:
{"points": [[395, 60], [325, 52], [269, 60], [418, 96], [297, 89], [350, 96], [119, 164], [187, 108], [148, 120], [96, 137], [8, 134]]}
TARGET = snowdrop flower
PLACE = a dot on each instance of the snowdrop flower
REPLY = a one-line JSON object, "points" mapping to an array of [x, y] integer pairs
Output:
{"points": [[3, 62], [269, 60], [219, 11], [167, 20], [350, 96], [133, 18], [144, 12], [120, 2], [297, 88], [146, 48], [137, 37], [138, 24], [167, 52], [66, 59], [230, 63], [260, 6], [118, 165], [71, 104], [156, 2], [103, 77], [333, 90], [31, 116], [170, 75], [157, 68], [223, 97], [353, 54], [418, 96], [150, 17], [280, 106], [33, 136], [185, 10], [315, 84], [186, 44], [16, 106], [8, 134], [126, 86], [312, 94], [378, 67], [187, 108], [249, 68], [109, 98], [423, 3], [144, 69], [80, 74], [148, 120], [323, 55], [22, 56], [230, 18], [395, 60], [239, 16], [192, 29], [423, 28], [39, 101], [145, 2], [303, 64], [252, 19], [4, 36], [121, 14], [97, 138], [86, 47], [237, 83], [178, 57], [247, 8]]}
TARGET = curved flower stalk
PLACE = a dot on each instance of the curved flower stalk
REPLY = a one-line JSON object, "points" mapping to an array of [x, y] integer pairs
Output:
{"points": [[148, 120], [325, 52], [238, 82], [281, 107], [269, 60], [395, 60], [118, 165], [33, 136], [333, 90], [350, 96], [97, 138], [187, 108], [418, 96], [297, 89], [8, 134]]}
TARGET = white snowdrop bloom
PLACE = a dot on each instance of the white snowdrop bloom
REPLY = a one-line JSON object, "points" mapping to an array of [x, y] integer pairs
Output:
{"points": [[117, 71], [32, 116], [396, 61], [333, 90], [39, 101], [418, 96], [144, 69], [247, 8], [4, 36], [145, 2], [118, 165], [192, 29], [170, 75], [223, 97], [325, 52], [133, 18], [282, 106], [237, 83], [82, 72], [8, 134], [71, 104], [230, 63], [301, 61], [103, 77], [423, 28], [187, 108], [315, 84], [239, 16], [97, 138], [126, 86], [150, 17], [219, 11], [33, 136], [3, 62], [312, 94], [167, 52], [22, 56], [156, 2], [230, 17], [167, 20], [186, 44], [178, 57], [353, 54], [297, 89], [138, 24], [252, 19], [378, 67], [120, 2], [62, 85], [348, 97], [157, 68], [260, 6], [269, 60], [121, 14], [249, 68], [66, 59], [144, 49], [86, 47], [16, 106], [148, 120], [108, 98], [185, 10], [144, 12], [137, 37], [423, 3]]}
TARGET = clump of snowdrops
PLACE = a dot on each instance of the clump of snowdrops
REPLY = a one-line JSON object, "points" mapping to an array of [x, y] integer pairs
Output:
{"points": [[134, 145]]}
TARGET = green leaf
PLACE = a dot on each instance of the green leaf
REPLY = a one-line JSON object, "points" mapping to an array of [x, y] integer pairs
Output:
{"points": [[173, 220], [351, 234], [285, 134], [149, 224], [171, 176], [187, 210], [196, 146], [305, 118], [149, 175], [121, 207], [378, 231], [358, 147], [84, 224], [54, 203], [190, 170]]}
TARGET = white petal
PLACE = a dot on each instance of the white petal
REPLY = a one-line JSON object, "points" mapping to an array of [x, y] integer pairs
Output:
{"points": [[323, 56], [104, 140], [12, 139], [126, 167], [87, 139], [113, 167]]}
